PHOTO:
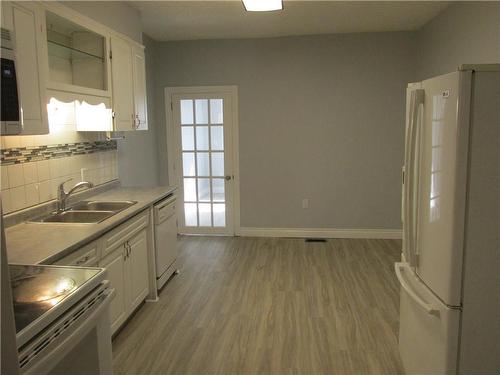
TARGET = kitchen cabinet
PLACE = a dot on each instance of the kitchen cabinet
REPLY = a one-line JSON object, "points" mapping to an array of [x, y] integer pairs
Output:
{"points": [[128, 273], [128, 72], [115, 265], [138, 269], [64, 55], [25, 21], [125, 254], [77, 54], [140, 101], [122, 80]]}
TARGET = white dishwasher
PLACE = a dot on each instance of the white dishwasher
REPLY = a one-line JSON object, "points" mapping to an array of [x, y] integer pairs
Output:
{"points": [[165, 239]]}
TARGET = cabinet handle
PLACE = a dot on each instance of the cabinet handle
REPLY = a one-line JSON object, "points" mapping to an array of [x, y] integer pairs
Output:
{"points": [[83, 260], [127, 250], [137, 122]]}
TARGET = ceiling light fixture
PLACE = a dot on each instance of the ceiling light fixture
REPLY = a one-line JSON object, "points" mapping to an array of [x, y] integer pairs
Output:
{"points": [[262, 5]]}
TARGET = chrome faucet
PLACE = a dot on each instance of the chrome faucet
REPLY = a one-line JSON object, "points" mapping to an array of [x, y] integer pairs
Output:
{"points": [[62, 195]]}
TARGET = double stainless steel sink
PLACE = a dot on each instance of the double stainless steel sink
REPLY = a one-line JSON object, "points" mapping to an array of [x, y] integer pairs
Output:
{"points": [[85, 212]]}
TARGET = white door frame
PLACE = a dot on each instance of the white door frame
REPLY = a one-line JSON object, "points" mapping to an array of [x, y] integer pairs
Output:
{"points": [[173, 148]]}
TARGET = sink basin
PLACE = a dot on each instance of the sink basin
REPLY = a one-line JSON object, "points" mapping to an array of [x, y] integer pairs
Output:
{"points": [[86, 212], [102, 205], [77, 217]]}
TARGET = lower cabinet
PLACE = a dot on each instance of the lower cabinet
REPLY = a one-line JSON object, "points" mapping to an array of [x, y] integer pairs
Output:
{"points": [[115, 265], [127, 267], [138, 271]]}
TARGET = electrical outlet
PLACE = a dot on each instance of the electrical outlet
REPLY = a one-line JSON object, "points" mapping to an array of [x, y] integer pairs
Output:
{"points": [[305, 203]]}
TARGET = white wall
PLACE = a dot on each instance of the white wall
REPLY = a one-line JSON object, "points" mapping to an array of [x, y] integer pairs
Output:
{"points": [[321, 117], [465, 33]]}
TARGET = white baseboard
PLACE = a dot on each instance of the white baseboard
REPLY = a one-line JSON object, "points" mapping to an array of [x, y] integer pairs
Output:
{"points": [[321, 233]]}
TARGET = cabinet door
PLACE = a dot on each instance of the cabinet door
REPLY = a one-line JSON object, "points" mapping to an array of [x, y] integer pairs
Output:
{"points": [[28, 38], [140, 103], [138, 268], [122, 78], [115, 265]]}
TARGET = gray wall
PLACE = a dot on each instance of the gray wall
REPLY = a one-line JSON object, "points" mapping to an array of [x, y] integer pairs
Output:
{"points": [[465, 33], [321, 117]]}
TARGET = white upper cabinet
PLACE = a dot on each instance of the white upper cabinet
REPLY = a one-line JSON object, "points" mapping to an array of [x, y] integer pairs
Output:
{"points": [[25, 21], [78, 56], [140, 101], [123, 88], [128, 72], [63, 55]]}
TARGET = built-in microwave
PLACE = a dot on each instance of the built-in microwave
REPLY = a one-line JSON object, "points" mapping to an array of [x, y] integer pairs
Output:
{"points": [[11, 111]]}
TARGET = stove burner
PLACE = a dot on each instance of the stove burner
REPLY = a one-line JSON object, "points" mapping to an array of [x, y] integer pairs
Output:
{"points": [[42, 288]]}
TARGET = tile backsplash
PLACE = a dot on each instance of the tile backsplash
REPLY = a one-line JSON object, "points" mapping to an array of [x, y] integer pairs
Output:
{"points": [[33, 166], [28, 184]]}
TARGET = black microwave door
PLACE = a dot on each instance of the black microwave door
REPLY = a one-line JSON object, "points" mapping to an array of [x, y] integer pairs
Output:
{"points": [[9, 99]]}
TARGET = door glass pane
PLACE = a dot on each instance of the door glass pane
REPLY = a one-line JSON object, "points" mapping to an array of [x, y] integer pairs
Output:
{"points": [[217, 137], [202, 137], [217, 164], [203, 166], [218, 190], [204, 190], [188, 166], [190, 214], [186, 112], [216, 113], [205, 212], [201, 107], [219, 215], [187, 138], [190, 190]]}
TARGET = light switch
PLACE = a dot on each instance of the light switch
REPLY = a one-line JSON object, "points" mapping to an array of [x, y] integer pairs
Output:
{"points": [[305, 203]]}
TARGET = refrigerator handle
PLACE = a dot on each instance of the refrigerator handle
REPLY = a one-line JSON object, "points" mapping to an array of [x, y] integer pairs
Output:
{"points": [[424, 305], [417, 98]]}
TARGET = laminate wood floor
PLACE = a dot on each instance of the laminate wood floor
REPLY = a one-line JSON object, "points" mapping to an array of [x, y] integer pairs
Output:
{"points": [[270, 306]]}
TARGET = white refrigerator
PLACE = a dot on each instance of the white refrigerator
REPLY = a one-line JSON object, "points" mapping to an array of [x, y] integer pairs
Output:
{"points": [[450, 264]]}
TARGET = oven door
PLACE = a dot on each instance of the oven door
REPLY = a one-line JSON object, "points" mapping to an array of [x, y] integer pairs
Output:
{"points": [[78, 343]]}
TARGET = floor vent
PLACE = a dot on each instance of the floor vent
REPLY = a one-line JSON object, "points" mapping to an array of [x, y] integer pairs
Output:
{"points": [[315, 240]]}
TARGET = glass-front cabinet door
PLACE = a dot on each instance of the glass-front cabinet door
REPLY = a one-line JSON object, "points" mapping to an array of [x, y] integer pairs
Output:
{"points": [[78, 58]]}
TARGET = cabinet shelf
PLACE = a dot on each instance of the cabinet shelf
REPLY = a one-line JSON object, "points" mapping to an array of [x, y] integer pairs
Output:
{"points": [[66, 52]]}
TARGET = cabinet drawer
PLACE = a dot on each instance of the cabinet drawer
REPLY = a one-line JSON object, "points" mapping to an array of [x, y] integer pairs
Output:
{"points": [[86, 256], [123, 232]]}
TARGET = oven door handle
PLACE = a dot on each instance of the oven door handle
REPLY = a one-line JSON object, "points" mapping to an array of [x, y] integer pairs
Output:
{"points": [[72, 339]]}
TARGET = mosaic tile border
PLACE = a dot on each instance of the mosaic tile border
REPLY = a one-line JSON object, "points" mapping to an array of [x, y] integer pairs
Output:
{"points": [[21, 155]]}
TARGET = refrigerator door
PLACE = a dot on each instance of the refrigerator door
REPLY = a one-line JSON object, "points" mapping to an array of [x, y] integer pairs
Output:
{"points": [[414, 103], [442, 153], [428, 329]]}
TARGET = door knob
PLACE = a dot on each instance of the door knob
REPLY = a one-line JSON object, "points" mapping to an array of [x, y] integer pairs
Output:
{"points": [[228, 178]]}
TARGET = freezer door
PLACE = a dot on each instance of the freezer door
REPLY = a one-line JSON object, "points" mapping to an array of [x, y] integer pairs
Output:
{"points": [[428, 329], [442, 180]]}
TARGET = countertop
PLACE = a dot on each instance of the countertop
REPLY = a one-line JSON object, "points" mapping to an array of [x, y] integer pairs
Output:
{"points": [[46, 243]]}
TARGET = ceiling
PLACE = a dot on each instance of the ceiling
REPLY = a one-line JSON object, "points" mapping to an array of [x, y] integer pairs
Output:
{"points": [[190, 20]]}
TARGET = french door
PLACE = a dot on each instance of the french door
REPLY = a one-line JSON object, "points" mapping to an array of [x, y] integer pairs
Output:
{"points": [[204, 167]]}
